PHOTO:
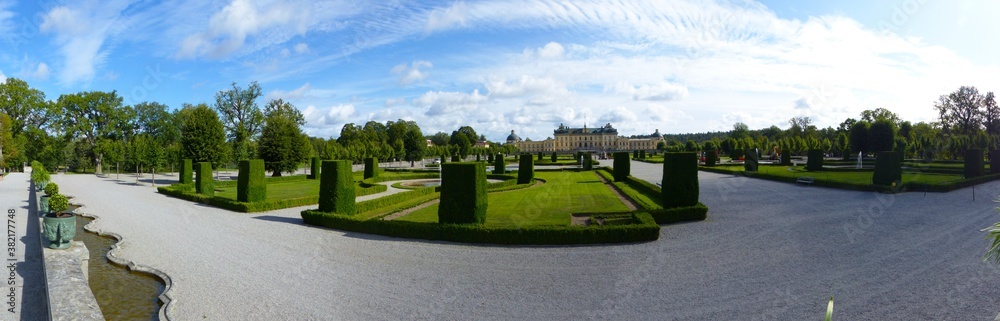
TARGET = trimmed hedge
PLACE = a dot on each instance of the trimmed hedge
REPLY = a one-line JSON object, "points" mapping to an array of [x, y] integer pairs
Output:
{"points": [[498, 165], [541, 156], [526, 169], [314, 168], [750, 162], [588, 161], [815, 161], [250, 186], [203, 181], [786, 157], [995, 162], [635, 154], [371, 168], [642, 154], [973, 163], [555, 157], [644, 229], [489, 157], [187, 172], [336, 187], [268, 179], [680, 180], [377, 203], [711, 157], [623, 167], [888, 168], [463, 193]]}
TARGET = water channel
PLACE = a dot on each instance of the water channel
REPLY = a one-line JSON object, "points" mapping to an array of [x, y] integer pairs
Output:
{"points": [[122, 294]]}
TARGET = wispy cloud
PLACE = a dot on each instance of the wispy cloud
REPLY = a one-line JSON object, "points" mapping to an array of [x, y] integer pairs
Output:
{"points": [[413, 73], [80, 31]]}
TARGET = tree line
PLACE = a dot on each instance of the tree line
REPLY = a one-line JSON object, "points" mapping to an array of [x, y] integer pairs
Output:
{"points": [[90, 131]]}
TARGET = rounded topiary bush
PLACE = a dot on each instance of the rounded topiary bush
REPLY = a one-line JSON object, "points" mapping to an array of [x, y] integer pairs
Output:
{"points": [[58, 203], [622, 166], [680, 180], [888, 168], [336, 187], [525, 170], [463, 193], [815, 161], [250, 185], [51, 189]]}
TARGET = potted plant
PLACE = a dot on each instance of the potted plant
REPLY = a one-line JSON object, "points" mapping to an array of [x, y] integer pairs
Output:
{"points": [[60, 225], [43, 203], [40, 176]]}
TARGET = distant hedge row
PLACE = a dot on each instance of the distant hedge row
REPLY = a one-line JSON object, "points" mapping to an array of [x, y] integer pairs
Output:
{"points": [[645, 229]]}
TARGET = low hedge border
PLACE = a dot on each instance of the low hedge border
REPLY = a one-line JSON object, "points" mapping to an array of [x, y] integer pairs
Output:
{"points": [[186, 192], [411, 202], [647, 196], [268, 179], [643, 230], [936, 188]]}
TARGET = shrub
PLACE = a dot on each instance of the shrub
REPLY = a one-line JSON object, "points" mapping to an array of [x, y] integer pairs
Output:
{"points": [[477, 157], [250, 185], [203, 179], [463, 193], [644, 228], [973, 163], [750, 163], [51, 189], [554, 157], [680, 180], [635, 154], [39, 174], [336, 187], [888, 168], [622, 166], [815, 161], [579, 158], [187, 174], [314, 168], [541, 156], [711, 157], [58, 203], [489, 157], [371, 167], [995, 162], [697, 212], [526, 169], [642, 154], [588, 161], [498, 165], [786, 157]]}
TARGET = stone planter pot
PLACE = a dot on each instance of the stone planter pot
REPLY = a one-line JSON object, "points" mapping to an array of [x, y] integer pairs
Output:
{"points": [[59, 230], [43, 205], [41, 185]]}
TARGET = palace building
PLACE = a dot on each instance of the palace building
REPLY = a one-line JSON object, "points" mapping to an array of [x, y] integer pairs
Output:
{"points": [[600, 140]]}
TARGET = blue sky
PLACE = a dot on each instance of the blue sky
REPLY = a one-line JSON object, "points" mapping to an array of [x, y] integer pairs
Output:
{"points": [[677, 66]]}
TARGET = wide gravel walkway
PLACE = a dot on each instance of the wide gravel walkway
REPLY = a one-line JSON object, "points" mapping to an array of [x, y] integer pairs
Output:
{"points": [[768, 251]]}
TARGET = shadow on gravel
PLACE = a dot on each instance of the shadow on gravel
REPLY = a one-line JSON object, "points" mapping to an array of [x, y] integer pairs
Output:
{"points": [[281, 219]]}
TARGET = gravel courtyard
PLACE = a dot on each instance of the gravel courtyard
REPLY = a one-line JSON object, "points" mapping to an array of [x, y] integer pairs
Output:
{"points": [[768, 251]]}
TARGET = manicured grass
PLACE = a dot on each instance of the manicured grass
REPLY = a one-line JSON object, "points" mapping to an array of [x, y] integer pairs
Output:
{"points": [[551, 203]]}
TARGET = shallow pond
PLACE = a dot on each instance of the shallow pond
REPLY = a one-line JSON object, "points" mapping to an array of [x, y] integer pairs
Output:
{"points": [[122, 294]]}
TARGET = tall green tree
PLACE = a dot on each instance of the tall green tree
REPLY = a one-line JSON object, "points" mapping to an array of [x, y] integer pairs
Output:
{"points": [[241, 117], [7, 148], [882, 135], [282, 145], [203, 138], [94, 116], [959, 112], [26, 106], [280, 106], [414, 143], [859, 137]]}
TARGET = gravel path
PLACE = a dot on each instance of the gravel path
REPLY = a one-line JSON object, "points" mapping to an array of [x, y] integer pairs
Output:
{"points": [[768, 251]]}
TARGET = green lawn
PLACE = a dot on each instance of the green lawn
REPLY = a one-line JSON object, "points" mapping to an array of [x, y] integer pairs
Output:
{"points": [[279, 191], [548, 204], [854, 178]]}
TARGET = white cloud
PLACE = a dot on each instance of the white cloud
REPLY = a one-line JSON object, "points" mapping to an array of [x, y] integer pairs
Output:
{"points": [[294, 94], [6, 17], [81, 31], [414, 73], [447, 18], [662, 91], [551, 50], [39, 72], [229, 28], [449, 103], [526, 85], [301, 48]]}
